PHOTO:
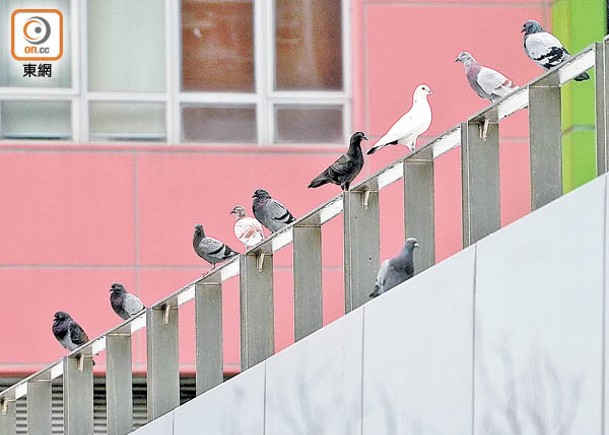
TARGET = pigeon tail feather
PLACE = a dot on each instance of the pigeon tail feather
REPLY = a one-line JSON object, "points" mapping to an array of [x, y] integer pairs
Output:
{"points": [[319, 181]]}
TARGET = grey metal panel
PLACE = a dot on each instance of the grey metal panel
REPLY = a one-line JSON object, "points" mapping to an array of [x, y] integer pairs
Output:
{"points": [[539, 319], [308, 314], [161, 426], [419, 209], [257, 321], [418, 358], [545, 144], [236, 407], [8, 418], [77, 395], [602, 107], [362, 242], [163, 375], [315, 386], [208, 330], [480, 181], [39, 399], [119, 380]]}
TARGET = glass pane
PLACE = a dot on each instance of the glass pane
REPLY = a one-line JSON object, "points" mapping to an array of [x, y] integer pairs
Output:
{"points": [[308, 37], [126, 45], [217, 45], [14, 73], [308, 124], [127, 122], [219, 124], [36, 120]]}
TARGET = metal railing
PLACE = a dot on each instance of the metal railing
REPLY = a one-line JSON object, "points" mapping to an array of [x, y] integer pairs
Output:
{"points": [[479, 140]]}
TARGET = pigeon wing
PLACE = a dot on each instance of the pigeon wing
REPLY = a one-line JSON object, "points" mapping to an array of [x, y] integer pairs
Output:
{"points": [[279, 212], [491, 81], [77, 334], [132, 304], [545, 49], [249, 231], [404, 127]]}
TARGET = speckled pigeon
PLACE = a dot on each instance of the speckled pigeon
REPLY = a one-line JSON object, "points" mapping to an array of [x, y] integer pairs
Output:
{"points": [[396, 270], [544, 48], [124, 303], [247, 229], [487, 82], [209, 249], [344, 170], [270, 212], [68, 332], [412, 124]]}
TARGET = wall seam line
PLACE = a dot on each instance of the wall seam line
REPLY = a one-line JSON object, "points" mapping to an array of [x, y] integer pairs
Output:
{"points": [[362, 372], [604, 313], [473, 391]]}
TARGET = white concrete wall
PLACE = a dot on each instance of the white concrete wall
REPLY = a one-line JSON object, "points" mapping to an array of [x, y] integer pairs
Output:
{"points": [[507, 337]]}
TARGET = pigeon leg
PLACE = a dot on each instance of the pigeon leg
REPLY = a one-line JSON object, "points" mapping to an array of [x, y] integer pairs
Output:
{"points": [[213, 266]]}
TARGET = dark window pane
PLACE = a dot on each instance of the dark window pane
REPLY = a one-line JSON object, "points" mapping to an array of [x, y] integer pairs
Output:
{"points": [[318, 124], [308, 44], [219, 124], [217, 45]]}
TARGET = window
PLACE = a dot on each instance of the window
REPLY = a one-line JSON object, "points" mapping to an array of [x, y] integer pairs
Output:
{"points": [[195, 71]]}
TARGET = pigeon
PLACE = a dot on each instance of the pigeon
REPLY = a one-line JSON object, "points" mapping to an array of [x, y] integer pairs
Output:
{"points": [[396, 270], [544, 48], [211, 250], [247, 229], [344, 170], [269, 212], [68, 332], [124, 303], [413, 123], [487, 82]]}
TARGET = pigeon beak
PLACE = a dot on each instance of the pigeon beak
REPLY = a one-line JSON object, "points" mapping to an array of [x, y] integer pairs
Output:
{"points": [[416, 245], [364, 138], [523, 30], [457, 60], [232, 212]]}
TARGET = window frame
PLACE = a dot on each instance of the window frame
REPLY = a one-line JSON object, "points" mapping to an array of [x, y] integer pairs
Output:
{"points": [[264, 97]]}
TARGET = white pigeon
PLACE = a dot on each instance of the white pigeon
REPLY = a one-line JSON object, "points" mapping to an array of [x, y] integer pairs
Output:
{"points": [[247, 229], [487, 82], [545, 49], [413, 123]]}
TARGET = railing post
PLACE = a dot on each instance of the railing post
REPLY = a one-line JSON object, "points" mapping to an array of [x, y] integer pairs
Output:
{"points": [[602, 107], [119, 381], [308, 314], [256, 296], [8, 417], [362, 245], [208, 330], [546, 141], [39, 401], [77, 395], [163, 377], [480, 180], [419, 208]]}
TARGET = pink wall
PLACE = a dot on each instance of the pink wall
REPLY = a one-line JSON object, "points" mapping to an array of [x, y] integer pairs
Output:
{"points": [[77, 218]]}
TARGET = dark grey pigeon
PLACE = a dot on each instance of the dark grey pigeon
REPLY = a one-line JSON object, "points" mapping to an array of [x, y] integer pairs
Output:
{"points": [[396, 270], [487, 82], [209, 249], [68, 332], [124, 303], [344, 170], [544, 48], [269, 212]]}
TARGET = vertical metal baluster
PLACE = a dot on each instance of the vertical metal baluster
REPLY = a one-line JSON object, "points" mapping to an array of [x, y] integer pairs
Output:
{"points": [[257, 310], [419, 208], [208, 314], [77, 395], [602, 107], [480, 180], [546, 141], [38, 408], [308, 313], [8, 416], [163, 375], [119, 381], [362, 245]]}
